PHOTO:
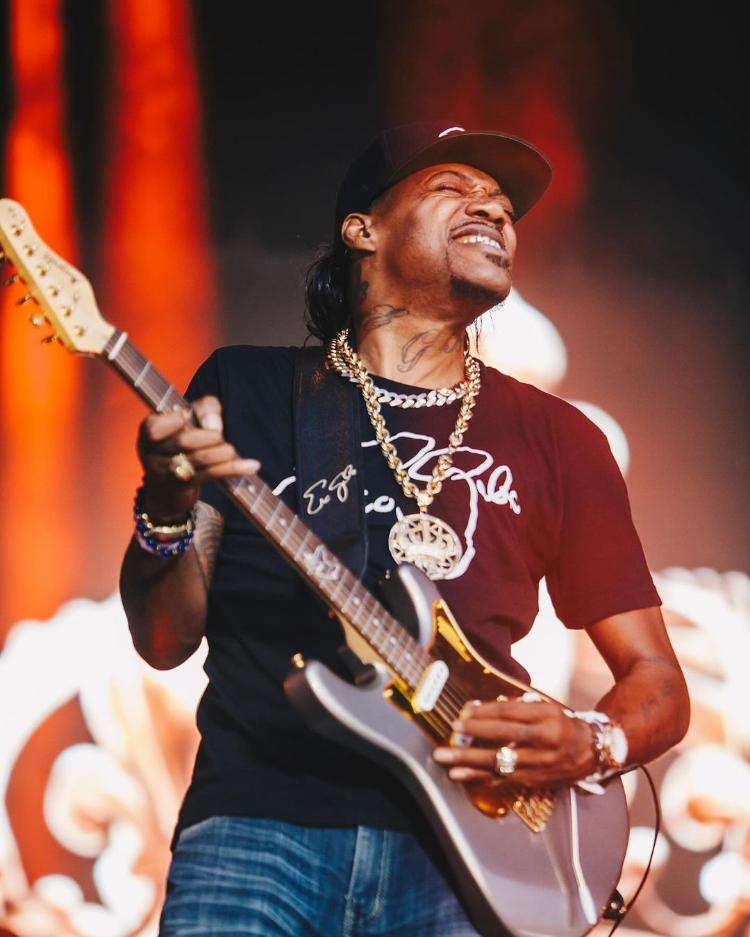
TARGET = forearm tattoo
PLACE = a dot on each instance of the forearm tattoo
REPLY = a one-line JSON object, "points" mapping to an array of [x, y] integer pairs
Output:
{"points": [[209, 526]]}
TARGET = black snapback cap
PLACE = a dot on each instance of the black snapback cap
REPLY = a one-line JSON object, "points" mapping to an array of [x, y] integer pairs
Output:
{"points": [[519, 168]]}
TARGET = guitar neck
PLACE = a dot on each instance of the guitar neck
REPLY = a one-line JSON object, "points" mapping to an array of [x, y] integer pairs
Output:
{"points": [[302, 549]]}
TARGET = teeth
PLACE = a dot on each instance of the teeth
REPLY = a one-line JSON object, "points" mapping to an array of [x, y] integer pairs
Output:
{"points": [[479, 239]]}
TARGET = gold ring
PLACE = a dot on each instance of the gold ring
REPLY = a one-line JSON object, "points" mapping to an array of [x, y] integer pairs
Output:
{"points": [[506, 758], [181, 467]]}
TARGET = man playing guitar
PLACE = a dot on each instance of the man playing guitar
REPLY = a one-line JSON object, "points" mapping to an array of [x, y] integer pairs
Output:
{"points": [[283, 832]]}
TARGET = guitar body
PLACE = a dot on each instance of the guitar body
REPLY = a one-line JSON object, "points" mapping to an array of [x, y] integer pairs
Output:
{"points": [[544, 869]]}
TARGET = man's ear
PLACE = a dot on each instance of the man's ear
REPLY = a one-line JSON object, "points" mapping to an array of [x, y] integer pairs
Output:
{"points": [[357, 232]]}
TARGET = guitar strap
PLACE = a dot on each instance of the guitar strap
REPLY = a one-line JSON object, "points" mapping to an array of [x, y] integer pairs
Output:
{"points": [[328, 454]]}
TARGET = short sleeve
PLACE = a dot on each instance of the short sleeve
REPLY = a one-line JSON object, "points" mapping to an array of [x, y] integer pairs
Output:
{"points": [[206, 381], [599, 569]]}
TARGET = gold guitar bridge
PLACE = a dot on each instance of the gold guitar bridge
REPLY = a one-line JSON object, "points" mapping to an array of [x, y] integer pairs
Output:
{"points": [[533, 807]]}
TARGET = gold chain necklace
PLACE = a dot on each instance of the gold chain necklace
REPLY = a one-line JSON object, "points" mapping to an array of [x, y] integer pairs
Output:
{"points": [[421, 539]]}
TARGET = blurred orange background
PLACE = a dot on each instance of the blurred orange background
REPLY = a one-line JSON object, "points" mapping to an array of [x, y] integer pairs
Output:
{"points": [[186, 157]]}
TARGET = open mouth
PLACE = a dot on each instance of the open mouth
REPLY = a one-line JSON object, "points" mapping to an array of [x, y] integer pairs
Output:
{"points": [[486, 240], [489, 238]]}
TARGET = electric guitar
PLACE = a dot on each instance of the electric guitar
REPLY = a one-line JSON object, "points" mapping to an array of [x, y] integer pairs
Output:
{"points": [[526, 863]]}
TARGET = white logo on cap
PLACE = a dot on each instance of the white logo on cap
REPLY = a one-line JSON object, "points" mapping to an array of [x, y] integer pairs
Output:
{"points": [[451, 130]]}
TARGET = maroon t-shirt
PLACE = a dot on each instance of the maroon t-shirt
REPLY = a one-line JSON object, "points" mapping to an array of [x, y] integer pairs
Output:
{"points": [[533, 492]]}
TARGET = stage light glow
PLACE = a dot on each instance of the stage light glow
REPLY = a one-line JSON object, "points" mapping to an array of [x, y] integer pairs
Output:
{"points": [[639, 848], [518, 339], [39, 386], [723, 878]]}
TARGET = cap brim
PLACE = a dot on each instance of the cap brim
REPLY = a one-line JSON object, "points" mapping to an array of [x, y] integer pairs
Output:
{"points": [[519, 168]]}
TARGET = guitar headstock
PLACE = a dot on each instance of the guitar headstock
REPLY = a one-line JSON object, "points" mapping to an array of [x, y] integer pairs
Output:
{"points": [[63, 294]]}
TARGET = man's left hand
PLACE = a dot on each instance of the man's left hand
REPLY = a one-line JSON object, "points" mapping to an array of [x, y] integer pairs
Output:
{"points": [[552, 748]]}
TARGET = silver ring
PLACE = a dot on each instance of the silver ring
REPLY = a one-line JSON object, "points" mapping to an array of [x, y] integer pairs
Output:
{"points": [[506, 758], [181, 467]]}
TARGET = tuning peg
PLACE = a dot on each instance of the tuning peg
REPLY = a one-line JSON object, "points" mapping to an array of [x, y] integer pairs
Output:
{"points": [[48, 339], [24, 299], [13, 278], [2, 257], [36, 319]]}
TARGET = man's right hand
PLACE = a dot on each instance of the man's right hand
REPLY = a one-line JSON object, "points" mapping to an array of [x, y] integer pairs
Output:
{"points": [[161, 436]]}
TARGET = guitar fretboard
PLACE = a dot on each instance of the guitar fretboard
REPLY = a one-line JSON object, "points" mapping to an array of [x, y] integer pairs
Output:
{"points": [[295, 541]]}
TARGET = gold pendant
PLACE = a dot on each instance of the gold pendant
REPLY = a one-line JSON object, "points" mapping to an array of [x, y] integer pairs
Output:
{"points": [[427, 543]]}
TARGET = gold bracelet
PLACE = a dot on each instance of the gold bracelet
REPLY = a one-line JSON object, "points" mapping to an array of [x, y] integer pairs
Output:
{"points": [[171, 531], [161, 532]]}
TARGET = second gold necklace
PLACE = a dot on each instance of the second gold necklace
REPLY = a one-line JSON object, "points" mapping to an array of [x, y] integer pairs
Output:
{"points": [[425, 541]]}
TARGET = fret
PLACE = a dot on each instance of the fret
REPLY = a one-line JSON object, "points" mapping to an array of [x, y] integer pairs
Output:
{"points": [[269, 520], [377, 643], [372, 622], [395, 637], [154, 386], [302, 546], [353, 597], [291, 529], [164, 399], [262, 500], [286, 515], [132, 360], [343, 580], [347, 580], [386, 636], [326, 586], [391, 658], [252, 487], [247, 492], [360, 610], [119, 340], [142, 374], [371, 608], [375, 632]]}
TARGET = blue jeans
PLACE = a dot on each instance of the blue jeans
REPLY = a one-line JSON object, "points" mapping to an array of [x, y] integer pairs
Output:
{"points": [[243, 876]]}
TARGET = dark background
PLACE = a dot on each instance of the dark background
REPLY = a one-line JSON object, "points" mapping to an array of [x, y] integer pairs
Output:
{"points": [[637, 256]]}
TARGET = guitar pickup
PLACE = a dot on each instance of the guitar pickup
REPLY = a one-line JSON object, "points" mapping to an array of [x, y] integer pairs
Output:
{"points": [[430, 686]]}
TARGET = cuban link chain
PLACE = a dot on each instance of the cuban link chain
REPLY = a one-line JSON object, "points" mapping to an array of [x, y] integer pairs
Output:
{"points": [[437, 397]]}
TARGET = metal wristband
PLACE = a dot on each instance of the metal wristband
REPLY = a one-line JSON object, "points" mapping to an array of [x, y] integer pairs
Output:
{"points": [[609, 744]]}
